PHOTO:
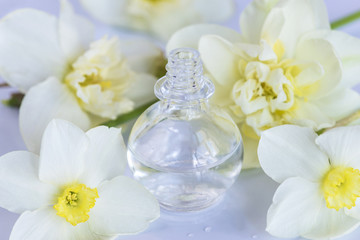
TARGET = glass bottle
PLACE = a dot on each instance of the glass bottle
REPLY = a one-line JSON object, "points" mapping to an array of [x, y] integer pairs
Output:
{"points": [[186, 151]]}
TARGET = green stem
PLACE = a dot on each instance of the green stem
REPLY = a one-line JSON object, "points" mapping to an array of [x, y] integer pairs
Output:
{"points": [[346, 121], [128, 116], [345, 20], [343, 122]]}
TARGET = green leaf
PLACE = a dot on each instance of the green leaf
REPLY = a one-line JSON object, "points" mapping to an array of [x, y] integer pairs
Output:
{"points": [[128, 116], [14, 101]]}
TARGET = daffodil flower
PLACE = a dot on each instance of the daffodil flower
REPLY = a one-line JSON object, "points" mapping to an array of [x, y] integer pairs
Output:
{"points": [[287, 67], [66, 75], [318, 197], [74, 189], [159, 17]]}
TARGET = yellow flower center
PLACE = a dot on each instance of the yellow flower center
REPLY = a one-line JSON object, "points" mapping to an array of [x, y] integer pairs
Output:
{"points": [[75, 203], [341, 187], [145, 11], [156, 1]]}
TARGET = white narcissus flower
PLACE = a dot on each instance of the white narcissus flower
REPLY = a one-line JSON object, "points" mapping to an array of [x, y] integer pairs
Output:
{"points": [[66, 76], [159, 17], [287, 66], [318, 197], [74, 189]]}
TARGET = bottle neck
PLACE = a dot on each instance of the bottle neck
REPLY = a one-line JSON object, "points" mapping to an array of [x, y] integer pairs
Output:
{"points": [[184, 81]]}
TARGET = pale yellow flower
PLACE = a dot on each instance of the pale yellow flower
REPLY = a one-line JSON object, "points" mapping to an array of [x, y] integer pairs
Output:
{"points": [[159, 17], [66, 76], [100, 77], [319, 176], [283, 68]]}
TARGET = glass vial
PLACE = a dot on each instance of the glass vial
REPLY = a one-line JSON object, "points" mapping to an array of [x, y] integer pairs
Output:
{"points": [[184, 150]]}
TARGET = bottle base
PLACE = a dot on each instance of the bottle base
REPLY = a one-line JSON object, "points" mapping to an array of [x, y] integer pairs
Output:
{"points": [[191, 206], [187, 191]]}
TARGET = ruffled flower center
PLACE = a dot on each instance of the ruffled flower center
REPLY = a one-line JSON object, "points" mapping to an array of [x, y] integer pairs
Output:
{"points": [[341, 187], [266, 92], [100, 78], [75, 202]]}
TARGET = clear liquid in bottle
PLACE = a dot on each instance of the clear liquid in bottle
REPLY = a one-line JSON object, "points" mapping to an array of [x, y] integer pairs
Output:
{"points": [[182, 149]]}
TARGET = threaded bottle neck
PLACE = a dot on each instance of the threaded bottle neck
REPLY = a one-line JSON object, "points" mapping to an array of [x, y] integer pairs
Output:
{"points": [[184, 80], [184, 69]]}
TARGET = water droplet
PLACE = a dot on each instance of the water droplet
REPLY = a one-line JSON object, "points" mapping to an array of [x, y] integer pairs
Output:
{"points": [[207, 229], [190, 235], [254, 236]]}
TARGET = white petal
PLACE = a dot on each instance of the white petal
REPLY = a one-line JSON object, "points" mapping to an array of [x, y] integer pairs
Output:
{"points": [[20, 187], [112, 12], [310, 73], [336, 224], [142, 89], [62, 153], [310, 115], [321, 52], [164, 19], [190, 36], [45, 224], [105, 157], [29, 48], [290, 151], [222, 97], [342, 145], [46, 101], [253, 17], [273, 26], [354, 211], [295, 24], [347, 48], [273, 19], [143, 55], [215, 10], [345, 45], [299, 209], [75, 32], [260, 119], [225, 72], [166, 22], [339, 104], [295, 205], [253, 50], [124, 206]]}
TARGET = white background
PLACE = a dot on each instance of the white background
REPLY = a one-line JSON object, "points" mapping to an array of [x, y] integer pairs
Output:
{"points": [[242, 213]]}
